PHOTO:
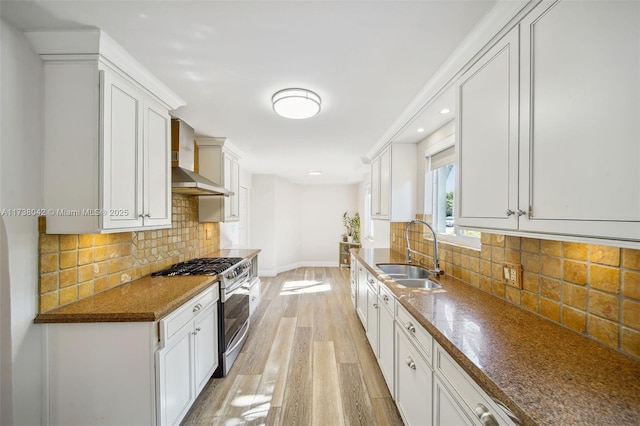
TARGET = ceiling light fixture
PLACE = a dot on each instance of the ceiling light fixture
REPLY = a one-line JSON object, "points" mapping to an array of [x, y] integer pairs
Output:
{"points": [[445, 111], [314, 173], [296, 103], [420, 130]]}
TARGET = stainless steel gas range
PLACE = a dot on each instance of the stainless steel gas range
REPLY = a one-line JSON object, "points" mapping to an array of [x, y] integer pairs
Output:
{"points": [[237, 277]]}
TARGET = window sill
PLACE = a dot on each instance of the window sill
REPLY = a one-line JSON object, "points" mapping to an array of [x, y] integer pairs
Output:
{"points": [[460, 241]]}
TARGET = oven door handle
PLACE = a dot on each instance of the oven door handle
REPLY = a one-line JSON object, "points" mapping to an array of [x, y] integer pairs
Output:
{"points": [[238, 341], [238, 283]]}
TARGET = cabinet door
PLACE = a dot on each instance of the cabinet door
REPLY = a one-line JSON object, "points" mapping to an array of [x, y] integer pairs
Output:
{"points": [[487, 139], [121, 152], [413, 383], [385, 344], [580, 129], [205, 346], [175, 370], [372, 318], [375, 188], [446, 410], [227, 184], [157, 163], [385, 183], [234, 200], [361, 302]]}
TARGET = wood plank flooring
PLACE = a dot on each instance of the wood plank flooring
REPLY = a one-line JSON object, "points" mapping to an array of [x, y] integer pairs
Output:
{"points": [[307, 361]]}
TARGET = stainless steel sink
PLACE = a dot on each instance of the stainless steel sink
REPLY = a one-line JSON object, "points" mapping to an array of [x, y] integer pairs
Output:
{"points": [[409, 275]]}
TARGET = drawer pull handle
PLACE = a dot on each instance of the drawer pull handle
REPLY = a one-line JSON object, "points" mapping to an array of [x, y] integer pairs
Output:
{"points": [[410, 327], [410, 363], [197, 307], [510, 212], [485, 416]]}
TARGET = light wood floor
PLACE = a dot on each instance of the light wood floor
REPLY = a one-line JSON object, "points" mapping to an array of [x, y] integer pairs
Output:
{"points": [[306, 362]]}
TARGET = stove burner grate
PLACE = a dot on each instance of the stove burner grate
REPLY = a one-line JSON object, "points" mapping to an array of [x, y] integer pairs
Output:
{"points": [[200, 266]]}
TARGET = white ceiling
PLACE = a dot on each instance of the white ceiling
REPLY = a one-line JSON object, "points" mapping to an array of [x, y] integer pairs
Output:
{"points": [[366, 59]]}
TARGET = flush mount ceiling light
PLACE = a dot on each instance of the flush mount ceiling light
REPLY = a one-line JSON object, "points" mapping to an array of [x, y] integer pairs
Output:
{"points": [[296, 103]]}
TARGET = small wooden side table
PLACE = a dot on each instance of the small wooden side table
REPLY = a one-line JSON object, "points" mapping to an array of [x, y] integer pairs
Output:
{"points": [[345, 256]]}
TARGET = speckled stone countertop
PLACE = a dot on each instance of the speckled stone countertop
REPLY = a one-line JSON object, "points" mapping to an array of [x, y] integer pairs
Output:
{"points": [[545, 374], [147, 299]]}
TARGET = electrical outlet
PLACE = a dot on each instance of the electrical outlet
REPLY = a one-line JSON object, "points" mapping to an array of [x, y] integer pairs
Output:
{"points": [[512, 274]]}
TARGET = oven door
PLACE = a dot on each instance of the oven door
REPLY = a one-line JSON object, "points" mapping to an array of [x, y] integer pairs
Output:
{"points": [[235, 316]]}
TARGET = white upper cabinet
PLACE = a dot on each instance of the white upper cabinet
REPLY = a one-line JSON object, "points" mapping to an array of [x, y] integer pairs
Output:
{"points": [[393, 183], [487, 138], [106, 138], [548, 130], [222, 166], [580, 126]]}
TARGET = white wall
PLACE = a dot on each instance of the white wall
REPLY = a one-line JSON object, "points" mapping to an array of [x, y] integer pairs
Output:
{"points": [[21, 185], [322, 207], [297, 225]]}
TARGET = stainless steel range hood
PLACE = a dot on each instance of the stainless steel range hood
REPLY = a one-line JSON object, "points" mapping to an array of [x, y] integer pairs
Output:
{"points": [[183, 179]]}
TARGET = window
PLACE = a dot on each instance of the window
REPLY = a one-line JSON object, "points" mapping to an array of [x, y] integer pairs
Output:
{"points": [[368, 221], [442, 170]]}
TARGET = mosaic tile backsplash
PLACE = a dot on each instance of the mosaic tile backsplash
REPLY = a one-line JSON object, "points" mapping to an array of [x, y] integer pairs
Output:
{"points": [[591, 289], [73, 267]]}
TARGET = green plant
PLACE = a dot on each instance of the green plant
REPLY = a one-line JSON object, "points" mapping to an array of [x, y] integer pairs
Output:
{"points": [[352, 225]]}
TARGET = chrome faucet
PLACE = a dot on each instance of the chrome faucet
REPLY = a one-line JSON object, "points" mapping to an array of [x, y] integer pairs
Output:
{"points": [[436, 263]]}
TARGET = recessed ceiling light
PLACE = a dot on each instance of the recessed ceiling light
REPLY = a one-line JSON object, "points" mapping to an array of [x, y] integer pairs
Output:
{"points": [[445, 111], [420, 130], [296, 103], [314, 173]]}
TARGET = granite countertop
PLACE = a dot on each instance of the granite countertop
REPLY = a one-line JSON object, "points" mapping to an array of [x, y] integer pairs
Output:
{"points": [[146, 299], [543, 372]]}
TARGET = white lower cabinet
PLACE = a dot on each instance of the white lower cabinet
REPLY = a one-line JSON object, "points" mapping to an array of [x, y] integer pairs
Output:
{"points": [[361, 296], [386, 337], [254, 295], [446, 411], [372, 315], [413, 382], [130, 373], [187, 357]]}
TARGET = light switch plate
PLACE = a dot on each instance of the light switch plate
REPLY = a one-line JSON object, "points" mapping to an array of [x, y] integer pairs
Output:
{"points": [[512, 274]]}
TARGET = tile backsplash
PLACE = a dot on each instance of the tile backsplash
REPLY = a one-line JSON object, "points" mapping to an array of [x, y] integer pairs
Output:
{"points": [[591, 289], [73, 267]]}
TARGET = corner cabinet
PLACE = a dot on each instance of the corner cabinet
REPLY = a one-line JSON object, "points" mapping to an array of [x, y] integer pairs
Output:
{"points": [[567, 163], [222, 166], [394, 183], [106, 137]]}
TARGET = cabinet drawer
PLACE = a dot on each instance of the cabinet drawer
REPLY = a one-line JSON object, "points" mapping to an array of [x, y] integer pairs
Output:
{"points": [[386, 298], [413, 329], [372, 282], [170, 325], [477, 402]]}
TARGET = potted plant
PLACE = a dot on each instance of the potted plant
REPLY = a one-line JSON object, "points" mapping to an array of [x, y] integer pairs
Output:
{"points": [[352, 225]]}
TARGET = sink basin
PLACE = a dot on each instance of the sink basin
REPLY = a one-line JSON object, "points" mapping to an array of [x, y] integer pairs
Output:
{"points": [[409, 275], [417, 283]]}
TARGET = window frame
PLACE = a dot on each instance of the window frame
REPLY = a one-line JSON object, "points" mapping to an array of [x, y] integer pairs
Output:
{"points": [[430, 198]]}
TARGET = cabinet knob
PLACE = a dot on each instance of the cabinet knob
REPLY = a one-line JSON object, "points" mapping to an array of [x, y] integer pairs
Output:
{"points": [[197, 307], [375, 305], [521, 212], [196, 332], [410, 327], [410, 363], [485, 416], [510, 212], [385, 298], [371, 281]]}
